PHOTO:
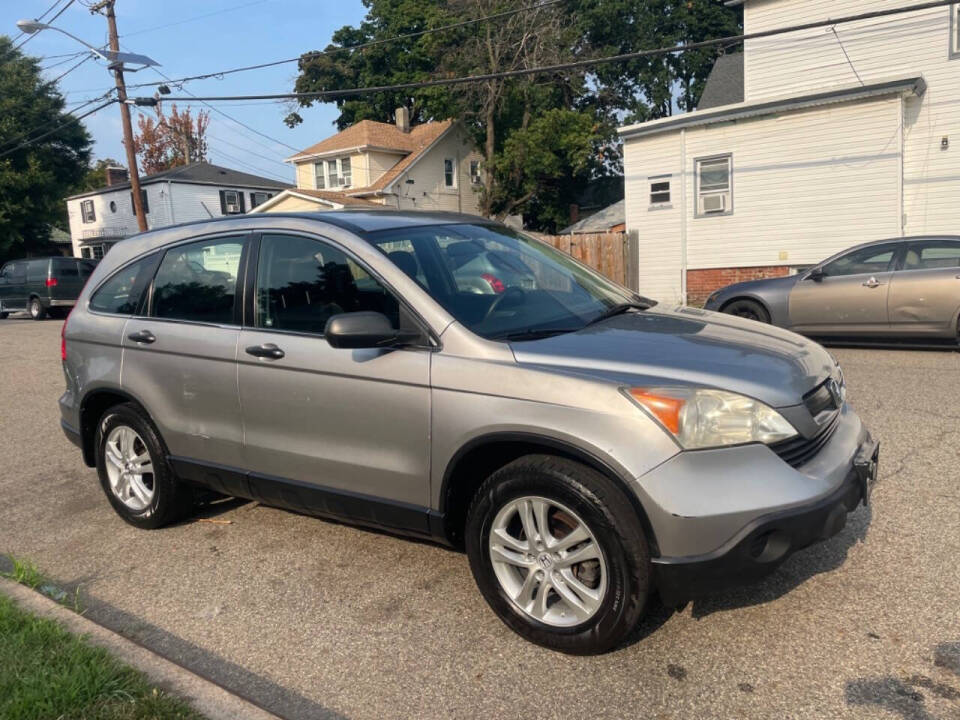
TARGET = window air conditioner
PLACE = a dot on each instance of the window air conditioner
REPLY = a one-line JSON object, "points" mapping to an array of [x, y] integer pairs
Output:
{"points": [[714, 203]]}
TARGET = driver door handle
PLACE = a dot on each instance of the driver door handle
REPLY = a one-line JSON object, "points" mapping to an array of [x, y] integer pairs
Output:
{"points": [[267, 350], [871, 283], [144, 336]]}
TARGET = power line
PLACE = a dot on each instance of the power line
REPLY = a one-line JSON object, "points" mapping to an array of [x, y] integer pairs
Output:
{"points": [[71, 121], [67, 58], [47, 124], [580, 64], [191, 19], [50, 22], [62, 75], [249, 152], [362, 46]]}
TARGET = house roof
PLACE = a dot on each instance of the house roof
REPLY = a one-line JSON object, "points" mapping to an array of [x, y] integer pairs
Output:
{"points": [[328, 196], [725, 82], [768, 106], [377, 135], [198, 173], [600, 221]]}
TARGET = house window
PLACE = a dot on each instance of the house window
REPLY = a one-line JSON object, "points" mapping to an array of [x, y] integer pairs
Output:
{"points": [[318, 174], [345, 172], [143, 200], [714, 178], [955, 31], [449, 173], [86, 211], [332, 174], [98, 252], [659, 191], [231, 202], [113, 206], [258, 198], [475, 172], [85, 252]]}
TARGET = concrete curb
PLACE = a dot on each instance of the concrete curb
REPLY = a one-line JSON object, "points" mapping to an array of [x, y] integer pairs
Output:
{"points": [[210, 699]]}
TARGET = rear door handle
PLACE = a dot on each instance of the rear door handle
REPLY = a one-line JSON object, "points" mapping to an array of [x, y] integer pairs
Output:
{"points": [[144, 336], [267, 350]]}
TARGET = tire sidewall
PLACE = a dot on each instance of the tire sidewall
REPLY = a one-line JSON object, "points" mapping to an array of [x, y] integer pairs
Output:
{"points": [[36, 309], [627, 577], [156, 513], [761, 314]]}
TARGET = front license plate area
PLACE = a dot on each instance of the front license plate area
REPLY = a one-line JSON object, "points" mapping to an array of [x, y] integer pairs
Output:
{"points": [[866, 464]]}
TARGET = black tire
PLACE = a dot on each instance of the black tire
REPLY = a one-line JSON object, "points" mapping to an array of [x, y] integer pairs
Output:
{"points": [[750, 309], [609, 515], [4, 315], [36, 309], [172, 499]]}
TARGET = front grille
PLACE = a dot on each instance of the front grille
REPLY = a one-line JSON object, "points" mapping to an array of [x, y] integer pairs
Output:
{"points": [[799, 450]]}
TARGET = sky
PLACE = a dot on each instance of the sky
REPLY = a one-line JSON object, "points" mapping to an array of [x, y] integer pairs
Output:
{"points": [[194, 37]]}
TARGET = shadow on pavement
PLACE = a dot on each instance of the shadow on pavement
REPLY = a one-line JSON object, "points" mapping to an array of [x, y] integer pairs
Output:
{"points": [[819, 558]]}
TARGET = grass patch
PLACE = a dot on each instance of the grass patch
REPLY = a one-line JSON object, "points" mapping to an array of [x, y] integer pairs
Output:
{"points": [[46, 672], [26, 573]]}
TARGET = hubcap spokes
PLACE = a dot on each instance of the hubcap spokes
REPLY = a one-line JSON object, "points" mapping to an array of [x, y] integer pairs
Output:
{"points": [[129, 468], [547, 561]]}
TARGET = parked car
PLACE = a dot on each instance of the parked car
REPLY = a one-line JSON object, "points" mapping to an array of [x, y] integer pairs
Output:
{"points": [[905, 288], [42, 286], [584, 445]]}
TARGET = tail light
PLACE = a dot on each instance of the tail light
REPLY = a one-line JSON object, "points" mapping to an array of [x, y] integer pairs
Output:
{"points": [[63, 337], [495, 283], [51, 282]]}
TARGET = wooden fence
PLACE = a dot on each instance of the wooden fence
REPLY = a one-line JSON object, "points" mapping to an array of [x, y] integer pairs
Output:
{"points": [[609, 253]]}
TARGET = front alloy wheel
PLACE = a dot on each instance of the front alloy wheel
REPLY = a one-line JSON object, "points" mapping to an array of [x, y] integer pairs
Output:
{"points": [[547, 561]]}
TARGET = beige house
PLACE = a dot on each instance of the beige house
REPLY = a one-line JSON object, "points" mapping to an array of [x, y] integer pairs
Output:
{"points": [[432, 166]]}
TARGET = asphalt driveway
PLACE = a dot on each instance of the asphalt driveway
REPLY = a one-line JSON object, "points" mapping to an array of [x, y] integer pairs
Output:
{"points": [[314, 619]]}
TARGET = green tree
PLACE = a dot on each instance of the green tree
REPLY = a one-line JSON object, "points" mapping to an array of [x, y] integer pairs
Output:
{"points": [[96, 175], [36, 178]]}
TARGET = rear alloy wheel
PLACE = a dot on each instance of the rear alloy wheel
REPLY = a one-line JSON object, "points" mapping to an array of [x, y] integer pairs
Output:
{"points": [[749, 309], [559, 554], [134, 472], [37, 311]]}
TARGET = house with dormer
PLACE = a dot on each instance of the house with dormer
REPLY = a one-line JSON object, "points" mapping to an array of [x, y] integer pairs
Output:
{"points": [[431, 166], [804, 145]]}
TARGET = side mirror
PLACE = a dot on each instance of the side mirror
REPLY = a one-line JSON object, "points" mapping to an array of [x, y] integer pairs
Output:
{"points": [[365, 330], [817, 274]]}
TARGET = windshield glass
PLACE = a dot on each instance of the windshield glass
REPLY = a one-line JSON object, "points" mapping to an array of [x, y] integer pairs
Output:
{"points": [[499, 283]]}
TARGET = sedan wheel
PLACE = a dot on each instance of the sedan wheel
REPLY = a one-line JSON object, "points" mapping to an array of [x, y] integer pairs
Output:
{"points": [[129, 468], [547, 561], [748, 309]]}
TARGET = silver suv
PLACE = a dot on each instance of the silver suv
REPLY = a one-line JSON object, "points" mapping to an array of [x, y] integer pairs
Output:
{"points": [[584, 445]]}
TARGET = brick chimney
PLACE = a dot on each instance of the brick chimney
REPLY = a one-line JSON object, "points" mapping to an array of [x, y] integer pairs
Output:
{"points": [[116, 175], [403, 119]]}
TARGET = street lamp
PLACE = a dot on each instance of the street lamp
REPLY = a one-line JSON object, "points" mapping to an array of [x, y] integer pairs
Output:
{"points": [[116, 60], [30, 27]]}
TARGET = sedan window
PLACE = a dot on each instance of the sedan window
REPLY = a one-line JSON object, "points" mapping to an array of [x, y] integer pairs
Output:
{"points": [[933, 255], [874, 259]]}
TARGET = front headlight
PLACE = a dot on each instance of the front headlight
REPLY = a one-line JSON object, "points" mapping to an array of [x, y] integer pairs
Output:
{"points": [[704, 418]]}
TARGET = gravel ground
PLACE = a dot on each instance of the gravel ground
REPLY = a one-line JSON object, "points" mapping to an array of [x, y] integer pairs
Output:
{"points": [[315, 619]]}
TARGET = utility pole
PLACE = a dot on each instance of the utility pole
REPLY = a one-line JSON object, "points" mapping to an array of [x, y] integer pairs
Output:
{"points": [[124, 111]]}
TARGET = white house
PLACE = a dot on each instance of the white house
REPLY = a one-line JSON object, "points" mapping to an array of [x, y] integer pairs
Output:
{"points": [[809, 143], [197, 191], [431, 166]]}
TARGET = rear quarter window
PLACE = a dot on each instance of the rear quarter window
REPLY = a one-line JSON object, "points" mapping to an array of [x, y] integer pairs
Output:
{"points": [[65, 268], [121, 293]]}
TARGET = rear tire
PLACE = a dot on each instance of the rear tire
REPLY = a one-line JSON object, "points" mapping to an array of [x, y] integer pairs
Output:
{"points": [[137, 479], [535, 587], [37, 310], [749, 309], [3, 315]]}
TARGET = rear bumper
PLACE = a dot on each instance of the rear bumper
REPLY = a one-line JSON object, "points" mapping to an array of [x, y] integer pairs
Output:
{"points": [[764, 544], [61, 303], [72, 434]]}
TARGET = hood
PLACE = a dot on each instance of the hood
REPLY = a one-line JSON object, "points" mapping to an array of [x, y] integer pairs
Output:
{"points": [[687, 346], [750, 286]]}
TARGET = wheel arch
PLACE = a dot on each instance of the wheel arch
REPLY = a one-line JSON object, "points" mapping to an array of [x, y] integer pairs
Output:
{"points": [[94, 404], [477, 459], [746, 296]]}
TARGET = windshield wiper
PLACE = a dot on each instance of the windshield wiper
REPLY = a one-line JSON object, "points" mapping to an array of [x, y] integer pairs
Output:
{"points": [[534, 334], [617, 310]]}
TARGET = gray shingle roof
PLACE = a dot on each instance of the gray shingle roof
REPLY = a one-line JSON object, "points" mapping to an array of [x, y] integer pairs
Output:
{"points": [[600, 221], [199, 172], [725, 82]]}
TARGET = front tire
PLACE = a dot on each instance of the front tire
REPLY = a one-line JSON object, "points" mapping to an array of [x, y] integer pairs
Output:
{"points": [[134, 472], [749, 309], [37, 310], [559, 554]]}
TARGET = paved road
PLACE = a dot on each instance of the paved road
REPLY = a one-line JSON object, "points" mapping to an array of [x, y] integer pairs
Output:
{"points": [[315, 619]]}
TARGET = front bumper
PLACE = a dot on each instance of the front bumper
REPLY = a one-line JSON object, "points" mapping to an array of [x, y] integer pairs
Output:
{"points": [[764, 544]]}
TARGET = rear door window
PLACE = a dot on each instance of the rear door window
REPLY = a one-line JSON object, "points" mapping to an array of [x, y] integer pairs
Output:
{"points": [[65, 268], [197, 282], [37, 270], [933, 255], [121, 293]]}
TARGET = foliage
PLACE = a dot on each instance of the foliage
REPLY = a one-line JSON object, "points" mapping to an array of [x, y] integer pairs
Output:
{"points": [[34, 180], [171, 140], [49, 673], [496, 109]]}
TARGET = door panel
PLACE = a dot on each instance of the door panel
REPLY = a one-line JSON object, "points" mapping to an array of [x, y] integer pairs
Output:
{"points": [[180, 360], [850, 297], [925, 294], [352, 420], [14, 285]]}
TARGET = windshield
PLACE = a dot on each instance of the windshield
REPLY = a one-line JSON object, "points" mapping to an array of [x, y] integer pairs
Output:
{"points": [[502, 284]]}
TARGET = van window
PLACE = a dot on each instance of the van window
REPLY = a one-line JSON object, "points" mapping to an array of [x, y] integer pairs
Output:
{"points": [[198, 282], [37, 270], [121, 294], [65, 267]]}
